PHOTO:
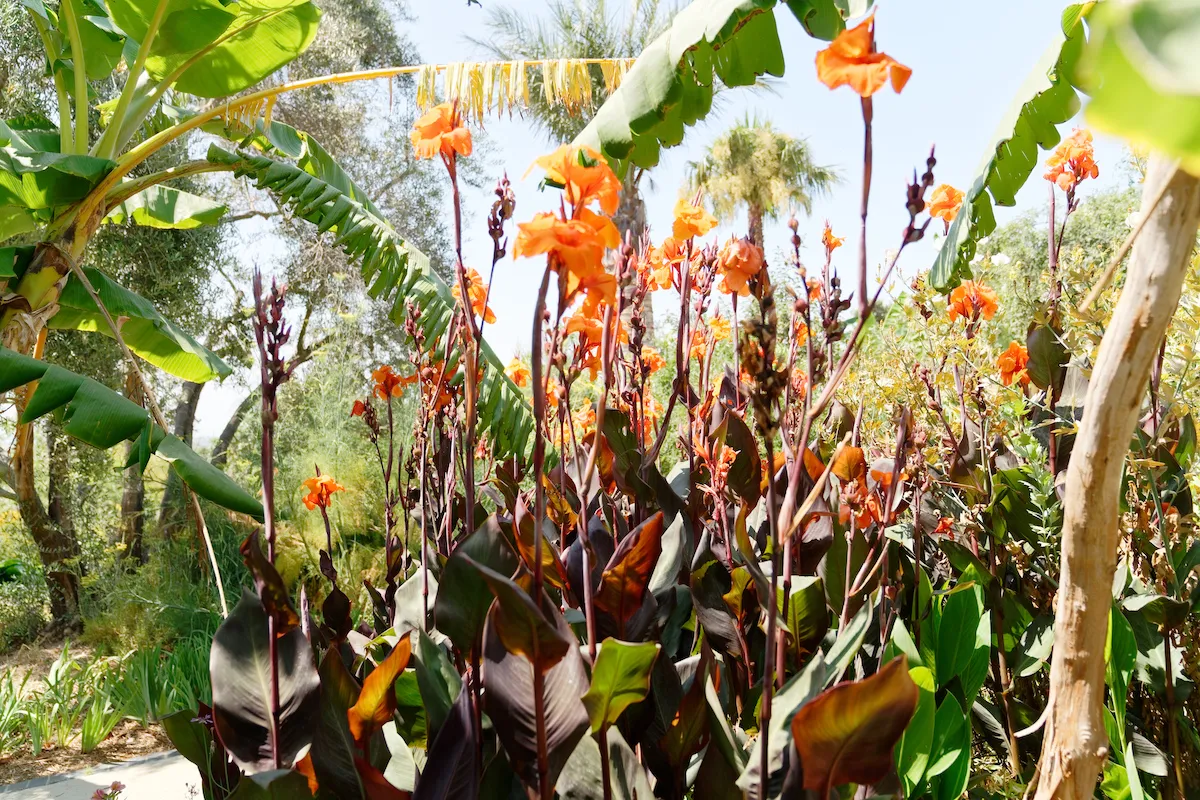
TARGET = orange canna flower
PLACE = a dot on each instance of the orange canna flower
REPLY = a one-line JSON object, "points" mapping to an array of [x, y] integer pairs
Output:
{"points": [[584, 176], [738, 261], [552, 393], [945, 527], [320, 490], [945, 203], [1072, 161], [478, 291], [584, 420], [1012, 363], [652, 359], [578, 244], [358, 409], [830, 241], [691, 220], [851, 60], [388, 383], [720, 328], [970, 300], [440, 130], [517, 373]]}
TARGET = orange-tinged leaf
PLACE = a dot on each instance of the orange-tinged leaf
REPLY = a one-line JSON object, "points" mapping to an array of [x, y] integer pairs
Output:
{"points": [[375, 785], [850, 463], [847, 734], [305, 767], [377, 701], [552, 566], [813, 464], [623, 584]]}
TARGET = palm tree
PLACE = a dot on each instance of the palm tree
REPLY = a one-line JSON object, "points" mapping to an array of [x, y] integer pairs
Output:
{"points": [[579, 29], [765, 170]]}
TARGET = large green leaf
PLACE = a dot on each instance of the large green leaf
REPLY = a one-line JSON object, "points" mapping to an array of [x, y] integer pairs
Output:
{"points": [[319, 191], [35, 178], [620, 677], [912, 751], [99, 38], [167, 208], [148, 333], [1143, 69], [1047, 99], [224, 48], [96, 415]]}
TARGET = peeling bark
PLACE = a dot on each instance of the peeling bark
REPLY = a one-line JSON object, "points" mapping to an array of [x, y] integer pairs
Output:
{"points": [[1076, 743]]}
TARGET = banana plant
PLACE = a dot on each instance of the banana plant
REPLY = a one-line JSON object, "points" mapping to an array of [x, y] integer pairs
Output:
{"points": [[178, 64]]}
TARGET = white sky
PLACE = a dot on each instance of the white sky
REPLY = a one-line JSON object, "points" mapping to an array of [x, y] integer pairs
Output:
{"points": [[968, 63]]}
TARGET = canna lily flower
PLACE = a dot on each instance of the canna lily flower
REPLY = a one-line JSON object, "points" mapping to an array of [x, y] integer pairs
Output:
{"points": [[851, 60], [691, 220], [830, 241], [578, 244], [440, 130], [478, 291], [358, 409], [584, 176], [320, 491], [738, 261], [720, 328], [388, 383], [517, 373], [1012, 363], [970, 300], [652, 359], [1072, 161], [552, 393], [945, 203], [584, 421]]}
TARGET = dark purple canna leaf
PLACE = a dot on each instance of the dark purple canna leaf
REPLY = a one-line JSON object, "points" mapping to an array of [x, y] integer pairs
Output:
{"points": [[509, 699], [334, 750], [623, 584], [241, 685], [271, 591], [524, 629], [460, 613], [452, 771]]}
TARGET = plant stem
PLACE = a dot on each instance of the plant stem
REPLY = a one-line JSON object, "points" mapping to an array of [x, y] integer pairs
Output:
{"points": [[1172, 724], [108, 140], [539, 438], [868, 114], [155, 412], [605, 764], [768, 688], [79, 67]]}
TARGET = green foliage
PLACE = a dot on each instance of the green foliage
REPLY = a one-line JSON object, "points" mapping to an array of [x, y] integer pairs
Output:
{"points": [[1142, 84], [1048, 99], [101, 418]]}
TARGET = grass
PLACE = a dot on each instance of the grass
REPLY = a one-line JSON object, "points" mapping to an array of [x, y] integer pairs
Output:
{"points": [[86, 699]]}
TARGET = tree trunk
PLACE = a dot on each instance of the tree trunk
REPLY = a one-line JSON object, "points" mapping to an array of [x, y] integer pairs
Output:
{"points": [[58, 484], [220, 454], [173, 513], [631, 219], [133, 497], [1076, 743], [755, 217]]}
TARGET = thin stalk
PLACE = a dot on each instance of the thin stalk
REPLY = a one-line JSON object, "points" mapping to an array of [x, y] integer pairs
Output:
{"points": [[539, 439], [605, 765], [768, 688], [62, 96], [108, 147], [79, 67], [1172, 724], [868, 114], [155, 412]]}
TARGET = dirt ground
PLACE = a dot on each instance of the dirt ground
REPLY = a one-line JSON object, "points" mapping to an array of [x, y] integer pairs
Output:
{"points": [[128, 740]]}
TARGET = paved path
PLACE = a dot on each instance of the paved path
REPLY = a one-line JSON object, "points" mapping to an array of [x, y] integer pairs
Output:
{"points": [[162, 776]]}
